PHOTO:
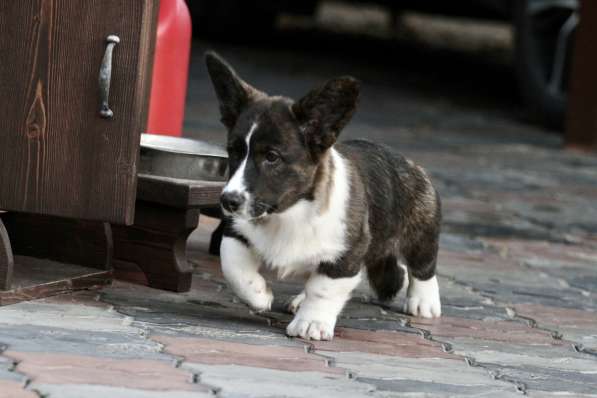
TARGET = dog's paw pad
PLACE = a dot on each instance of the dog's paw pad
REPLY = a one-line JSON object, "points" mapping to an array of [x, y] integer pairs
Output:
{"points": [[261, 300], [295, 303], [310, 329], [423, 307]]}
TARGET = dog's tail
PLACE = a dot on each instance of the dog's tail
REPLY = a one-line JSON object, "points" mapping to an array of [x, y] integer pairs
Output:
{"points": [[386, 277]]}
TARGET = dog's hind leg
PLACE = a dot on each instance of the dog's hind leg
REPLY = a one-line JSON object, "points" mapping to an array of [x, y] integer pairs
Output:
{"points": [[240, 266], [386, 277], [422, 296]]}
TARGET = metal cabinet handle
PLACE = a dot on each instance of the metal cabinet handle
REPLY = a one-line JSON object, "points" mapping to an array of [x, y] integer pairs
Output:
{"points": [[105, 75]]}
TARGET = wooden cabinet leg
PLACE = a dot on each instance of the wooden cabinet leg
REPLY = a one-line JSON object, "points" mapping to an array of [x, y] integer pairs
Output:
{"points": [[153, 250], [6, 259]]}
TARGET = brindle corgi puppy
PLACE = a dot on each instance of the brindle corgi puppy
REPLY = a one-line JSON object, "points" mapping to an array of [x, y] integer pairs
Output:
{"points": [[298, 201]]}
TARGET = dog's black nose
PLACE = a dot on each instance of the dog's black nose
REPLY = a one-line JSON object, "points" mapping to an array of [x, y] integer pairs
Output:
{"points": [[231, 201]]}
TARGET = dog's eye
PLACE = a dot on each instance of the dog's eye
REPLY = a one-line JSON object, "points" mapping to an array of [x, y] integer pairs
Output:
{"points": [[272, 156]]}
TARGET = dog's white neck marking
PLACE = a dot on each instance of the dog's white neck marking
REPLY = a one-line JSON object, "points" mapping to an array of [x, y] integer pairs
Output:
{"points": [[307, 233], [237, 182]]}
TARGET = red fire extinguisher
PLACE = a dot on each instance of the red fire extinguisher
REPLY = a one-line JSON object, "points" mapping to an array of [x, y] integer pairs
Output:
{"points": [[170, 69]]}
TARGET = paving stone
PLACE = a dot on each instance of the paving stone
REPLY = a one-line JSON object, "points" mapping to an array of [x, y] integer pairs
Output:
{"points": [[7, 370], [249, 336], [579, 326], [506, 331], [7, 366], [537, 378], [45, 368], [569, 361], [512, 294], [374, 324], [431, 389], [491, 267], [557, 316], [9, 375], [455, 373], [5, 363], [74, 316], [76, 324], [479, 218], [95, 391], [208, 307], [216, 352], [585, 280], [500, 353], [460, 243], [499, 278], [526, 364], [366, 314], [546, 254], [382, 343], [264, 382], [29, 338], [545, 394], [12, 389], [464, 345]]}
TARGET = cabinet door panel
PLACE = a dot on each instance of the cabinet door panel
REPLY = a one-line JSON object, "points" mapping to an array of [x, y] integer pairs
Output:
{"points": [[58, 156]]}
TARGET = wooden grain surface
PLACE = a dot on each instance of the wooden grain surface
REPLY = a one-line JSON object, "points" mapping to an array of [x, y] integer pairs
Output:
{"points": [[179, 193], [57, 155]]}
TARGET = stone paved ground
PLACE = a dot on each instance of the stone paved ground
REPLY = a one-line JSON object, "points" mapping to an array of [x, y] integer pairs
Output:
{"points": [[518, 267]]}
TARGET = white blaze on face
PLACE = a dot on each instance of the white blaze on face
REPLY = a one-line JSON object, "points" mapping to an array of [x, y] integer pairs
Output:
{"points": [[237, 181]]}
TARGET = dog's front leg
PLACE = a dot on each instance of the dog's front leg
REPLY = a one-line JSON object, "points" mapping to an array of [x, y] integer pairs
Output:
{"points": [[324, 298], [240, 266]]}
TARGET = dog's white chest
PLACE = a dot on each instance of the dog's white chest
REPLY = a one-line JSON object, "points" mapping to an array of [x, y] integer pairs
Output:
{"points": [[297, 241], [306, 234]]}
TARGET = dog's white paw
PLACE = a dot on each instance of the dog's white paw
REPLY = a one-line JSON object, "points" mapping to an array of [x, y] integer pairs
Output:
{"points": [[314, 329], [260, 300], [295, 303], [422, 298], [423, 307]]}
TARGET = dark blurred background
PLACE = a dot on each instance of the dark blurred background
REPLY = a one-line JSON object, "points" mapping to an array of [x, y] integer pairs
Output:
{"points": [[482, 67]]}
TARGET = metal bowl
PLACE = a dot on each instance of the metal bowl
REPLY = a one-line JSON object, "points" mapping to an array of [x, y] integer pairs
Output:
{"points": [[183, 158]]}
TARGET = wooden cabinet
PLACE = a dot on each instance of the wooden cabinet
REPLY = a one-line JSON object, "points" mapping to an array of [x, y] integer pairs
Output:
{"points": [[66, 170], [58, 156]]}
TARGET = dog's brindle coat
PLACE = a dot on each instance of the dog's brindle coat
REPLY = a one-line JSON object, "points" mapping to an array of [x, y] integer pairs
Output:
{"points": [[302, 203]]}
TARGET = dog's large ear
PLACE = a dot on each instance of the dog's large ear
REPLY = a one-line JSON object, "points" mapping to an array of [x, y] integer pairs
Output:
{"points": [[234, 95], [325, 111]]}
